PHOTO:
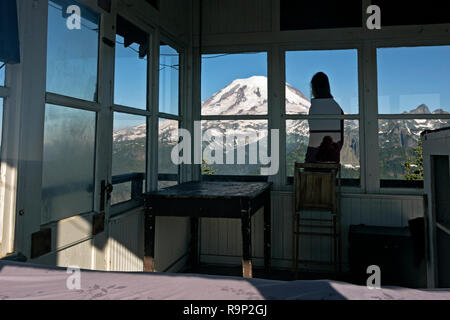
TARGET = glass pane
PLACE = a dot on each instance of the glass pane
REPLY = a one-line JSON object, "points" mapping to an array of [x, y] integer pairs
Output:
{"points": [[72, 55], [234, 84], [169, 79], [129, 154], [341, 67], [130, 76], [121, 193], [234, 147], [167, 140], [68, 162], [414, 80], [399, 145], [297, 140], [2, 73]]}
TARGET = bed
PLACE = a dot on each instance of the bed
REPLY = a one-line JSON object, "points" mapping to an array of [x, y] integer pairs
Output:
{"points": [[25, 281]]}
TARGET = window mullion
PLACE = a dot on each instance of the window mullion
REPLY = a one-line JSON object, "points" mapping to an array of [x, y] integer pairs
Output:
{"points": [[153, 77], [276, 108], [369, 113]]}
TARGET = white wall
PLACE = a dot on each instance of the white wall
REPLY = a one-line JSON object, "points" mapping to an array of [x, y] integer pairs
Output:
{"points": [[126, 243]]}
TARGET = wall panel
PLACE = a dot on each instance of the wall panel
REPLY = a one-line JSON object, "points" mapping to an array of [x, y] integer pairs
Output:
{"points": [[236, 16]]}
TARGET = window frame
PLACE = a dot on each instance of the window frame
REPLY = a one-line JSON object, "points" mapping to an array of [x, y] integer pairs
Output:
{"points": [[404, 186], [73, 102], [180, 118], [357, 116], [148, 112], [63, 101], [4, 93], [265, 117]]}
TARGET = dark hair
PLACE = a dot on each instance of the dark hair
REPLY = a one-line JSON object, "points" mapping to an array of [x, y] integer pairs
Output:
{"points": [[320, 86]]}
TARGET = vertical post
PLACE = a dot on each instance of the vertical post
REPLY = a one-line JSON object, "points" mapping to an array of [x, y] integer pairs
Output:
{"points": [[246, 241], [267, 232], [149, 245], [369, 118]]}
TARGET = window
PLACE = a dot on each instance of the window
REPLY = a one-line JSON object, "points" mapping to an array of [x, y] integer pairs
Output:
{"points": [[297, 138], [72, 55], [130, 77], [414, 80], [129, 157], [130, 130], [68, 177], [413, 96], [169, 114], [341, 67], [167, 140], [234, 114], [233, 147], [72, 59], [2, 73], [169, 78], [234, 84]]}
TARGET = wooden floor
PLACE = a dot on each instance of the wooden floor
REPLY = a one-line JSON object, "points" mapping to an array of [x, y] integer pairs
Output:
{"points": [[275, 274]]}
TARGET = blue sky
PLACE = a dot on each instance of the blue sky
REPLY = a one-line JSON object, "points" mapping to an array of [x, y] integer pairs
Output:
{"points": [[130, 76], [220, 70], [408, 77]]}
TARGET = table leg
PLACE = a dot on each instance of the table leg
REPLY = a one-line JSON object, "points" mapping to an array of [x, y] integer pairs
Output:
{"points": [[246, 244], [194, 243], [149, 245], [267, 234]]}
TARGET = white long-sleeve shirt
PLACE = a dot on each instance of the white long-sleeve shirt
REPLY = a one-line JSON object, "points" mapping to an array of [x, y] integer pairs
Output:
{"points": [[318, 129]]}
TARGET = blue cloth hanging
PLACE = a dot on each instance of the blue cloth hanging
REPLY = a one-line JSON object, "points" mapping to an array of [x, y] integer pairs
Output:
{"points": [[9, 32]]}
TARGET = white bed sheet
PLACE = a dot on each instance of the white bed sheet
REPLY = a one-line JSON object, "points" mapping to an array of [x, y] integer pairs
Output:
{"points": [[33, 282]]}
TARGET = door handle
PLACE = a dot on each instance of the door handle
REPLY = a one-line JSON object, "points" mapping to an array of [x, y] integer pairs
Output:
{"points": [[105, 193]]}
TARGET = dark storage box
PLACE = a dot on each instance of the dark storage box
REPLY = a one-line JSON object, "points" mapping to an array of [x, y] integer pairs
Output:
{"points": [[390, 248]]}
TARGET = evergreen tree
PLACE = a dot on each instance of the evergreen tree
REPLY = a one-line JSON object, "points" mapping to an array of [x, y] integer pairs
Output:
{"points": [[414, 166], [206, 170]]}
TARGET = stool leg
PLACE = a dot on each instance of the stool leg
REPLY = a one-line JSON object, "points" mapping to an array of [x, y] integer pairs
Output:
{"points": [[247, 271], [149, 245], [267, 234]]}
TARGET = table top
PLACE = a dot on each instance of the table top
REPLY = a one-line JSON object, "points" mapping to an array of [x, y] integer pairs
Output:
{"points": [[208, 189]]}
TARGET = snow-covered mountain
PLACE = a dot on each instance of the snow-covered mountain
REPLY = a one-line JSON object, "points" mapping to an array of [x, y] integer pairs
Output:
{"points": [[249, 97]]}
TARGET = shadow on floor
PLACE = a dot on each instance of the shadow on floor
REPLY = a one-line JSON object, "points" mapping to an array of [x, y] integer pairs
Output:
{"points": [[275, 274]]}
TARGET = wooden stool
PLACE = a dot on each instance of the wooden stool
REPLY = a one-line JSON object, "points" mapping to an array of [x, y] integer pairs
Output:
{"points": [[315, 190]]}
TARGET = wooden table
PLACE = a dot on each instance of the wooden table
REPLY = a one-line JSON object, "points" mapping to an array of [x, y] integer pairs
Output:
{"points": [[234, 200]]}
